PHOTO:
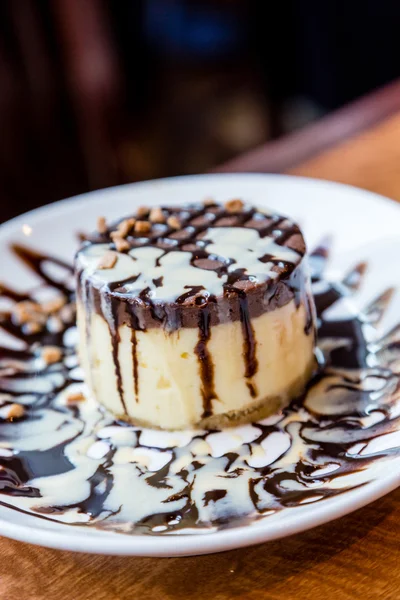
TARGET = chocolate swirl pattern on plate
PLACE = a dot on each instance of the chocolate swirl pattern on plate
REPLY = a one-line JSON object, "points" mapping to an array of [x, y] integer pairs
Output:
{"points": [[72, 462]]}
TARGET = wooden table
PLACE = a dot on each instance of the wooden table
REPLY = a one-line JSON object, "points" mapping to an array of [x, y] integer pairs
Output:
{"points": [[355, 557]]}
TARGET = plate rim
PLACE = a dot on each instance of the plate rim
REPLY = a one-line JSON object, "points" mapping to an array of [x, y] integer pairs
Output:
{"points": [[92, 194], [110, 543], [118, 544]]}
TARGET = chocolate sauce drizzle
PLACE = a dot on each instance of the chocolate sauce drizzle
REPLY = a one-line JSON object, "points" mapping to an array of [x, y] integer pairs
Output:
{"points": [[115, 341], [205, 362], [135, 480], [135, 364], [37, 262], [250, 344]]}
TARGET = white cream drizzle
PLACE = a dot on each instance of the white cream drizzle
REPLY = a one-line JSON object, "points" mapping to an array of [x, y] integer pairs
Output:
{"points": [[243, 246], [90, 436]]}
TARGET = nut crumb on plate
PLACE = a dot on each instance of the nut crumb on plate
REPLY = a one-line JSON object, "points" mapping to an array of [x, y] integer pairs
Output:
{"points": [[75, 397], [54, 305], [26, 311], [14, 411], [32, 327], [51, 354]]}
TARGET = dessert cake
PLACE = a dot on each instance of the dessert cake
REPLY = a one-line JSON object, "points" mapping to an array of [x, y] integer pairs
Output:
{"points": [[197, 315]]}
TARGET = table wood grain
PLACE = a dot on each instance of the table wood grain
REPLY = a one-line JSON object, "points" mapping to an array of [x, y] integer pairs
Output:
{"points": [[354, 557], [370, 161]]}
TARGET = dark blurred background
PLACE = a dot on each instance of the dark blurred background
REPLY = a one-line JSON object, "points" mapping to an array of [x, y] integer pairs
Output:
{"points": [[100, 92]]}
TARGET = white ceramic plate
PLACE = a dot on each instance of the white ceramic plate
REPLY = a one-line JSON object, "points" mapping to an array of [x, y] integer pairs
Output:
{"points": [[364, 226]]}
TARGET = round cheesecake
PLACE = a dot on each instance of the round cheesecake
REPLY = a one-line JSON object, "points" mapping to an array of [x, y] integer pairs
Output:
{"points": [[195, 316]]}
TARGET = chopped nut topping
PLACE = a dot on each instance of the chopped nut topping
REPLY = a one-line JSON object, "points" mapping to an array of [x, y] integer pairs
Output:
{"points": [[234, 206], [108, 260], [142, 226], [174, 222], [14, 411], [157, 215], [209, 201], [51, 354], [142, 211], [75, 397], [125, 226], [54, 305], [101, 225], [121, 245]]}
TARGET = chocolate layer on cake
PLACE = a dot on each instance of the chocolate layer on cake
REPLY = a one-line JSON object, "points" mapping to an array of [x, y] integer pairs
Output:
{"points": [[251, 270]]}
